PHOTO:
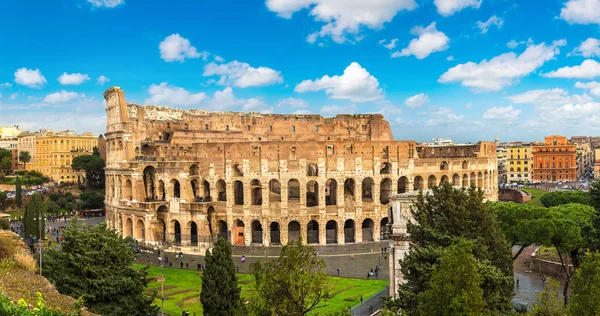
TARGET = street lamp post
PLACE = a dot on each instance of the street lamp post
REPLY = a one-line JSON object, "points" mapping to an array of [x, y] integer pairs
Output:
{"points": [[162, 280], [40, 218]]}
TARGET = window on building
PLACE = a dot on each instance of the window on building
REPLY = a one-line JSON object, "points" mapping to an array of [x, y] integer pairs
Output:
{"points": [[270, 128], [364, 128], [526, 169], [248, 127], [293, 128], [206, 127], [227, 128], [316, 128]]}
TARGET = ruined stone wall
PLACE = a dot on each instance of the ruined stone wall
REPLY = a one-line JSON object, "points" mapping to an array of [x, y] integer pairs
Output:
{"points": [[191, 176]]}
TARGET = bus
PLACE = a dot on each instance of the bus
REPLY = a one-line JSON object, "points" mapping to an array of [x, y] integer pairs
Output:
{"points": [[91, 213]]}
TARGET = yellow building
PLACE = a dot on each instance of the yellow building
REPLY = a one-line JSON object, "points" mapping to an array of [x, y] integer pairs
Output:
{"points": [[519, 163], [26, 142], [55, 152]]}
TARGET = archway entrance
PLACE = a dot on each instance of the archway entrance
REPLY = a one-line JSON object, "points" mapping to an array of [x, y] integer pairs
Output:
{"points": [[257, 232], [349, 231], [194, 233], [240, 239], [129, 227], [331, 232], [367, 230], [293, 231], [177, 230], [275, 233], [382, 228], [312, 232], [223, 233]]}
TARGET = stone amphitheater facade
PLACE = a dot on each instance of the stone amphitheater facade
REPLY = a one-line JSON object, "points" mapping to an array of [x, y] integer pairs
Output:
{"points": [[186, 177]]}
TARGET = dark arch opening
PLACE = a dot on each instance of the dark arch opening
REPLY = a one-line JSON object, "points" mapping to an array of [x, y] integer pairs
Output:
{"points": [[312, 232]]}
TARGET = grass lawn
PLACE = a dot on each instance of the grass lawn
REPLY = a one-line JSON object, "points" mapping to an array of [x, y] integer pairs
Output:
{"points": [[549, 253], [182, 291], [536, 194]]}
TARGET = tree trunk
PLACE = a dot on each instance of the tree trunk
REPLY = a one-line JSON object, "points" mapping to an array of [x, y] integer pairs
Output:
{"points": [[567, 277], [519, 252]]}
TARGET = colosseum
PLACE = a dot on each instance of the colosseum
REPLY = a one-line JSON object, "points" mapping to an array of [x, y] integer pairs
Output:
{"points": [[187, 177]]}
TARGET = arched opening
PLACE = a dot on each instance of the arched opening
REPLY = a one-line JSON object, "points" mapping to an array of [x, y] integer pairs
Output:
{"points": [[221, 190], [456, 180], [238, 192], [149, 178], [194, 170], [293, 190], [367, 190], [195, 190], [293, 231], [312, 193], [240, 239], [312, 170], [485, 180], [140, 230], [312, 232], [194, 233], [431, 182], [176, 188], [274, 191], [177, 230], [465, 165], [162, 230], [128, 227], [162, 193], [444, 165], [256, 189], [465, 180], [223, 232], [444, 179], [386, 168], [473, 179], [275, 233], [402, 185], [385, 191], [331, 232], [418, 183], [257, 232], [146, 150], [367, 230], [238, 170], [331, 192], [382, 228], [127, 194], [349, 189], [206, 191], [349, 231]]}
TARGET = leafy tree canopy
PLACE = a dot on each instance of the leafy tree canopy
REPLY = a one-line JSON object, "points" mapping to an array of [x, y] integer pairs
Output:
{"points": [[586, 287], [220, 291], [293, 284], [565, 197], [94, 169], [442, 218], [548, 302], [24, 156], [96, 264]]}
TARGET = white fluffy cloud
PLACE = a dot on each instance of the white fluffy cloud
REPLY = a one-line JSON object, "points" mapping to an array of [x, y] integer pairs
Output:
{"points": [[5, 85], [165, 94], [73, 79], [493, 20], [416, 100], [449, 7], [30, 78], [430, 40], [442, 116], [581, 12], [62, 97], [106, 3], [242, 75], [588, 69], [592, 86], [332, 110], [390, 45], [102, 80], [501, 71], [588, 48], [292, 103], [502, 113], [342, 18], [546, 101], [223, 100], [176, 48], [356, 85]]}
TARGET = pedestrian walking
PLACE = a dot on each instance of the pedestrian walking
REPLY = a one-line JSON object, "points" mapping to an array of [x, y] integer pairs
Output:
{"points": [[181, 264], [238, 268], [338, 271], [361, 299], [187, 265], [517, 283], [199, 266]]}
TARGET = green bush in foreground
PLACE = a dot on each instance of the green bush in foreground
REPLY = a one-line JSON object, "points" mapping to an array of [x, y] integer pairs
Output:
{"points": [[9, 308]]}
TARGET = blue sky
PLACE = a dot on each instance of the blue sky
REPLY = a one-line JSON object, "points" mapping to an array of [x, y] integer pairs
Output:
{"points": [[465, 69]]}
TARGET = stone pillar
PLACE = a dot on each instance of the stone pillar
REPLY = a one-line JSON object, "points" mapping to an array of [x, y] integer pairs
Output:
{"points": [[357, 232], [340, 233], [266, 232], [323, 232]]}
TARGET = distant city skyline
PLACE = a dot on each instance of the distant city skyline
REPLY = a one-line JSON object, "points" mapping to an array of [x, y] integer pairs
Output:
{"points": [[468, 70]]}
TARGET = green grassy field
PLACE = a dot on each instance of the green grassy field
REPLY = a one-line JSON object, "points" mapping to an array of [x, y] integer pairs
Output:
{"points": [[182, 291], [536, 194]]}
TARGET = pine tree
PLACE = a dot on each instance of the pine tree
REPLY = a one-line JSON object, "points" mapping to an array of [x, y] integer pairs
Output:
{"points": [[220, 291], [18, 198], [586, 287]]}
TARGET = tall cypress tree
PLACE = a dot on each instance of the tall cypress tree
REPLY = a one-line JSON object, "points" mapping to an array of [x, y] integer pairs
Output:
{"points": [[18, 197], [34, 208], [220, 291]]}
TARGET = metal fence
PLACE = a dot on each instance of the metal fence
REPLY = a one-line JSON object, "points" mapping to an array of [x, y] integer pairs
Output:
{"points": [[371, 305]]}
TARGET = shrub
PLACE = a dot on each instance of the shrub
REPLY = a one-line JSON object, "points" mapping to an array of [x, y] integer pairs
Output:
{"points": [[4, 224]]}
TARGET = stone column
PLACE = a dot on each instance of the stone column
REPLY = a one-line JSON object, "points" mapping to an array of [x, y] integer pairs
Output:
{"points": [[323, 232], [340, 233]]}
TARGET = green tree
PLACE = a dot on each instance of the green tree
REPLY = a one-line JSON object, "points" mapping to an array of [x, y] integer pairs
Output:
{"points": [[6, 164], [96, 264], [3, 196], [454, 288], [442, 218], [94, 170], [25, 158], [586, 287], [18, 197], [524, 224], [595, 202], [4, 224], [33, 210], [294, 284], [573, 229], [220, 291], [557, 198], [548, 302]]}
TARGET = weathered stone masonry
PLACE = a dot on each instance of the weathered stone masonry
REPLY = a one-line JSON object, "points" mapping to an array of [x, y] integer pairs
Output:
{"points": [[190, 176]]}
